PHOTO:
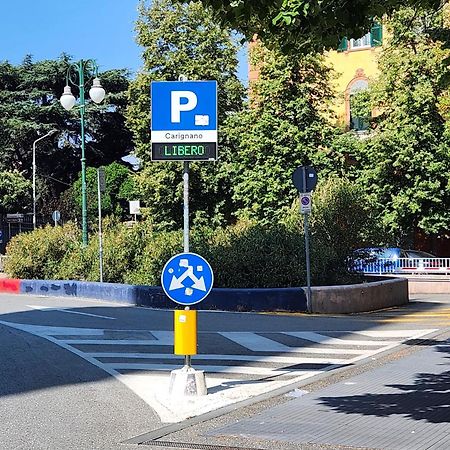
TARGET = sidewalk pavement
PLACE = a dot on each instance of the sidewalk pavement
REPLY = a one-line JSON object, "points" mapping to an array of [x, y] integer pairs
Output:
{"points": [[403, 405]]}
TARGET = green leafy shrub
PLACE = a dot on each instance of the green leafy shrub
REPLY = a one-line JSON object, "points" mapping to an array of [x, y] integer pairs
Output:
{"points": [[38, 254], [157, 248], [247, 255], [253, 255], [342, 220]]}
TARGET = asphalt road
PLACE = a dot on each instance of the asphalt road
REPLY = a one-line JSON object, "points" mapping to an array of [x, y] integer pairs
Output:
{"points": [[85, 374]]}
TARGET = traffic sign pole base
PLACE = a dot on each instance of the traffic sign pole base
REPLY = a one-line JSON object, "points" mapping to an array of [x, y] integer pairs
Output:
{"points": [[187, 382]]}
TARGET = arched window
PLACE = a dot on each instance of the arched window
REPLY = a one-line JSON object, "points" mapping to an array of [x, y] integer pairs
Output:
{"points": [[358, 84]]}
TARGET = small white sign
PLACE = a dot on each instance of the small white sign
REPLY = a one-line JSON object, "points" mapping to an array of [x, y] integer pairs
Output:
{"points": [[305, 202], [135, 207], [201, 120]]}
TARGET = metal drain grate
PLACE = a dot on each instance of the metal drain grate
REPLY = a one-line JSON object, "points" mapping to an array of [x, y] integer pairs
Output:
{"points": [[193, 446]]}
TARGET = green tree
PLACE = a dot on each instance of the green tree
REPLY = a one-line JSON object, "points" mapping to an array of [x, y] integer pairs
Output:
{"points": [[406, 161], [120, 188], [29, 107], [15, 192], [305, 25], [286, 125], [184, 39]]}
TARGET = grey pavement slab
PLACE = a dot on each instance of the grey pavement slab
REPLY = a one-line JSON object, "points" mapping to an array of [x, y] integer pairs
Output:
{"points": [[403, 405]]}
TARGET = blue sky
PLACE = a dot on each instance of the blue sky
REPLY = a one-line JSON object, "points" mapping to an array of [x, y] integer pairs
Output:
{"points": [[99, 29]]}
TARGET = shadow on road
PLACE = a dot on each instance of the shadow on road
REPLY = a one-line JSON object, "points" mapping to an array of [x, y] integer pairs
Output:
{"points": [[428, 398]]}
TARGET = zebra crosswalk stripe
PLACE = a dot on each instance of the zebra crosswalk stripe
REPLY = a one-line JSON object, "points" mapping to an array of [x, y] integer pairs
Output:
{"points": [[244, 370], [215, 357], [255, 342], [321, 339]]}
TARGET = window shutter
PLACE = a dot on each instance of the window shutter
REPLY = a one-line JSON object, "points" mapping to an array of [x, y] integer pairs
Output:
{"points": [[376, 35], [343, 45]]}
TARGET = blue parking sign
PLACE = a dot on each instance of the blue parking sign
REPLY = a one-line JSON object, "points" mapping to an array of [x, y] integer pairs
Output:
{"points": [[184, 120], [187, 278]]}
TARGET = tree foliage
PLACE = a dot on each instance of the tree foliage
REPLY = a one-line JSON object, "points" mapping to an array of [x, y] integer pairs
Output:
{"points": [[119, 190], [305, 25], [406, 161], [15, 192], [285, 126], [183, 39], [29, 107]]}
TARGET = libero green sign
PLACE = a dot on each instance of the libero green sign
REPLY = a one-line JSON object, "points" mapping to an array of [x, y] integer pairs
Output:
{"points": [[184, 152], [184, 120]]}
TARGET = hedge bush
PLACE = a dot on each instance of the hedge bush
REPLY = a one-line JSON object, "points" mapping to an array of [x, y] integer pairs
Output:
{"points": [[246, 254], [38, 254]]}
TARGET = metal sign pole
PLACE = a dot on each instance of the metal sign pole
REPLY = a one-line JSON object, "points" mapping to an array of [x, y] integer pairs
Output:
{"points": [[187, 358], [186, 206], [308, 267], [100, 239]]}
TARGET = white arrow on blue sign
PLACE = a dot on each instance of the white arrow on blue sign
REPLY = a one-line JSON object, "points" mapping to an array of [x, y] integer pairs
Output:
{"points": [[184, 120], [187, 278]]}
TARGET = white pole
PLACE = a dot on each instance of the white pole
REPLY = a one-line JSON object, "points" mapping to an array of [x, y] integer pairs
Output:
{"points": [[34, 185]]}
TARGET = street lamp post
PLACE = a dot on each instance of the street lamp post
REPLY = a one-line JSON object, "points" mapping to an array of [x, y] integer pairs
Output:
{"points": [[76, 76], [34, 172]]}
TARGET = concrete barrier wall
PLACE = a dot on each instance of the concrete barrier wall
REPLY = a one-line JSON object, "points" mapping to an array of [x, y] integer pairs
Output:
{"points": [[327, 299], [429, 286], [287, 299], [360, 297], [123, 293], [425, 283], [279, 299]]}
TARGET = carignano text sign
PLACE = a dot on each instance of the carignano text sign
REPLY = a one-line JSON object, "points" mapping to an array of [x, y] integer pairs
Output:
{"points": [[184, 120]]}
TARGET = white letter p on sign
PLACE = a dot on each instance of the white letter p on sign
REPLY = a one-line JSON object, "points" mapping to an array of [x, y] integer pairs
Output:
{"points": [[176, 106]]}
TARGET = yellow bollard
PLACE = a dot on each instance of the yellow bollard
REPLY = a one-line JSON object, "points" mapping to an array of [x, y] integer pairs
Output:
{"points": [[185, 330]]}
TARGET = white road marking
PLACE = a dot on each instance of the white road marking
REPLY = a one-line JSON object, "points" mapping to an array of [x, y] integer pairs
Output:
{"points": [[255, 342], [259, 343], [66, 310], [43, 330], [217, 369], [215, 357], [116, 341], [394, 333], [321, 339]]}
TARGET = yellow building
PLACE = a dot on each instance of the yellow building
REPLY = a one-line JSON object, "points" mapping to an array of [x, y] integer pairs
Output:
{"points": [[355, 62]]}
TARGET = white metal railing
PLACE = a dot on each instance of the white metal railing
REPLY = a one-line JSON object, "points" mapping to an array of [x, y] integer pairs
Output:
{"points": [[404, 265]]}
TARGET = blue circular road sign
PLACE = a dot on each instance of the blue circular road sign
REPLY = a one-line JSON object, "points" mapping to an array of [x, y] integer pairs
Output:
{"points": [[305, 200], [187, 278]]}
